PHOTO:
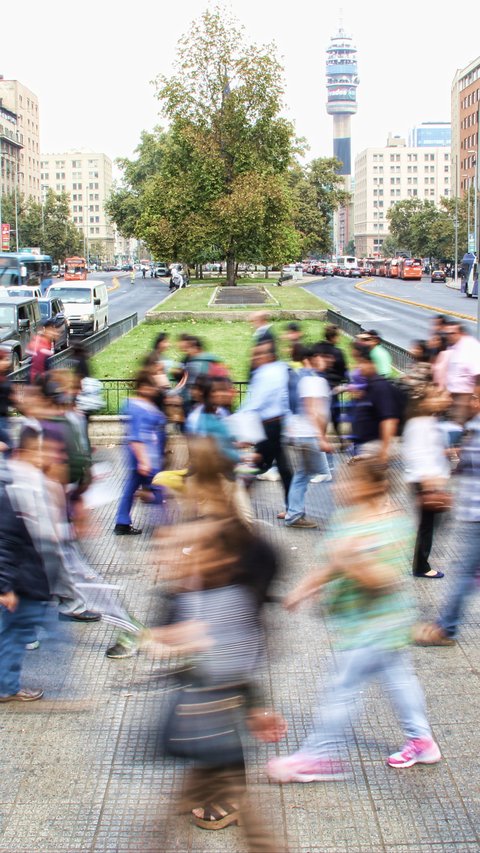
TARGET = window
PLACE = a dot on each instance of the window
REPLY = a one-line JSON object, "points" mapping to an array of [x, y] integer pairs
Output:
{"points": [[76, 164]]}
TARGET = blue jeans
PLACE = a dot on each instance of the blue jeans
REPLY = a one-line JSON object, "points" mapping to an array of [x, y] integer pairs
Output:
{"points": [[305, 466], [134, 482], [467, 567], [338, 708], [17, 629]]}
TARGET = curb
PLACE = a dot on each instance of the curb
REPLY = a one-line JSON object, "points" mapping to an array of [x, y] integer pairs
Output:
{"points": [[434, 308]]}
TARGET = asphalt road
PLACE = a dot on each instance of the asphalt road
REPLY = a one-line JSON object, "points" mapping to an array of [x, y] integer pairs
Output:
{"points": [[127, 298], [397, 322]]}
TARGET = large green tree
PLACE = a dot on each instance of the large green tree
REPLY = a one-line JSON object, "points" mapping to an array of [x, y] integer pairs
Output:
{"points": [[427, 230], [318, 190]]}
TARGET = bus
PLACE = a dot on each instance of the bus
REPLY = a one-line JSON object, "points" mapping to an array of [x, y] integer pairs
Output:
{"points": [[75, 269], [25, 268], [391, 268], [410, 268], [345, 262]]}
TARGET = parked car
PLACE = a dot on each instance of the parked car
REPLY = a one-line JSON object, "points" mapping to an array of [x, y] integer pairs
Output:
{"points": [[52, 309], [20, 320], [439, 275], [85, 304]]}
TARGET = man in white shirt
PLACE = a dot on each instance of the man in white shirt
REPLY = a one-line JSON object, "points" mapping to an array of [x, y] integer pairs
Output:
{"points": [[462, 369], [306, 433]]}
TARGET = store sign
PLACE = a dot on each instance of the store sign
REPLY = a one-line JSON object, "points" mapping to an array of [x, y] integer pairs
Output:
{"points": [[471, 242], [5, 237]]}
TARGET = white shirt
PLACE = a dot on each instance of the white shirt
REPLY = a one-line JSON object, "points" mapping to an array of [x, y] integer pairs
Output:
{"points": [[423, 450], [463, 365], [316, 388]]}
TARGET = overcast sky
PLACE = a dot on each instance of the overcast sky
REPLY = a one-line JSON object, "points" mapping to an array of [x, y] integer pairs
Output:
{"points": [[91, 64]]}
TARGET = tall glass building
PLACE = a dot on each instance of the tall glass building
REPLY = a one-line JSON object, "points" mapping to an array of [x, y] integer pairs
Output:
{"points": [[437, 134]]}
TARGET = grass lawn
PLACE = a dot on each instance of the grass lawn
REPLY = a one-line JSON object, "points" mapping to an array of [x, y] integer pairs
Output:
{"points": [[197, 299], [231, 341]]}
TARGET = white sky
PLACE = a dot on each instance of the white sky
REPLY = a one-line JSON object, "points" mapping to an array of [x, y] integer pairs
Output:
{"points": [[90, 64]]}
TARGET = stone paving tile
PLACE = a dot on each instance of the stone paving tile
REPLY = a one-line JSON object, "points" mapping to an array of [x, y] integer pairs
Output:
{"points": [[95, 780]]}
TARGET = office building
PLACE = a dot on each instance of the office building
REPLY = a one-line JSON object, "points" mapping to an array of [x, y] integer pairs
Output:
{"points": [[431, 134], [342, 82], [387, 175], [17, 99], [10, 149], [87, 177]]}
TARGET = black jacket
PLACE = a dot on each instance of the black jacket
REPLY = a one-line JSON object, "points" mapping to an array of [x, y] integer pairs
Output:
{"points": [[22, 569]]}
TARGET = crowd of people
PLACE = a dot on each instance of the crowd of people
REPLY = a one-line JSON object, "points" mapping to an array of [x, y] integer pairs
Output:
{"points": [[314, 414]]}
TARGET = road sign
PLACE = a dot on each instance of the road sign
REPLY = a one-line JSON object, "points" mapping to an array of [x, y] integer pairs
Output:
{"points": [[5, 236], [471, 242]]}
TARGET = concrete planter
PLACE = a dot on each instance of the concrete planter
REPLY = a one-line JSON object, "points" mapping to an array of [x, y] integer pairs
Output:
{"points": [[232, 316]]}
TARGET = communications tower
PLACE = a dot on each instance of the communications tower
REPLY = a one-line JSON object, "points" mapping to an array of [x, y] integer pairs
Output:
{"points": [[342, 82]]}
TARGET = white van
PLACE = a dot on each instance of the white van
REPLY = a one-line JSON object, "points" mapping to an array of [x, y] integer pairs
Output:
{"points": [[85, 303]]}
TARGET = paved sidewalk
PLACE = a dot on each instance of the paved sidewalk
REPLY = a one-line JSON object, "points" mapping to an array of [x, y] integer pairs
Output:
{"points": [[84, 773]]}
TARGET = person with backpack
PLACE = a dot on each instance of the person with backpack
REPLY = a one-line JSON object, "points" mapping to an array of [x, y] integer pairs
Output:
{"points": [[309, 401], [377, 411]]}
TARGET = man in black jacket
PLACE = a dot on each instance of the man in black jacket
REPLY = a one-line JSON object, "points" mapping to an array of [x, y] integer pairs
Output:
{"points": [[24, 582]]}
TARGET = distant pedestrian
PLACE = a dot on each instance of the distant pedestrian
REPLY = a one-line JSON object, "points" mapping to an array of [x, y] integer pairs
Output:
{"points": [[380, 355], [42, 348], [375, 413], [462, 369]]}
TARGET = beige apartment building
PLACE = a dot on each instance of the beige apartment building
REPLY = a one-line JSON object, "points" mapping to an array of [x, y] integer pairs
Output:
{"points": [[20, 101], [10, 148], [384, 176], [87, 177]]}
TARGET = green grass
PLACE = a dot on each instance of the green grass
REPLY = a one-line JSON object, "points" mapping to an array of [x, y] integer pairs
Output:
{"points": [[287, 298], [230, 341]]}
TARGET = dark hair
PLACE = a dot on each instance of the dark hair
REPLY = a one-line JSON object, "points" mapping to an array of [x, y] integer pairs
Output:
{"points": [[294, 327], [296, 351], [331, 332], [27, 435], [362, 351], [211, 384], [143, 378], [49, 324], [374, 334], [441, 317], [163, 336], [424, 349]]}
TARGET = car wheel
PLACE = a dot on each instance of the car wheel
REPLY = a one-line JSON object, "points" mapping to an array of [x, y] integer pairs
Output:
{"points": [[469, 295]]}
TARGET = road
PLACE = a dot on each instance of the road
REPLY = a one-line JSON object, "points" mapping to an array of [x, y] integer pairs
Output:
{"points": [[127, 298], [397, 322]]}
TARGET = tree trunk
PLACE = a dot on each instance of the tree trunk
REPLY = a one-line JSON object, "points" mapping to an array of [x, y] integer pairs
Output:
{"points": [[231, 271], [266, 270], [200, 271]]}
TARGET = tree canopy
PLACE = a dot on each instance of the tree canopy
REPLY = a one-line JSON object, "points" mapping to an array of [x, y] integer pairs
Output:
{"points": [[48, 226], [427, 230], [222, 182]]}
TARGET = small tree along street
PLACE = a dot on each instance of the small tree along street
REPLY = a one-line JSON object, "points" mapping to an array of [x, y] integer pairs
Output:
{"points": [[222, 183], [48, 226]]}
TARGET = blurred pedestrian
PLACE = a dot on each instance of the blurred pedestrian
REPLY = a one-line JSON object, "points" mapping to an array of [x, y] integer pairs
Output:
{"points": [[306, 434], [6, 399], [462, 369], [375, 413], [268, 397], [228, 569], [41, 349], [145, 435], [427, 469], [365, 588], [467, 511]]}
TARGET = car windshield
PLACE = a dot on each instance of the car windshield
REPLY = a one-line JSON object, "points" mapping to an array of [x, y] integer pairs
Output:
{"points": [[7, 315], [22, 291], [72, 294]]}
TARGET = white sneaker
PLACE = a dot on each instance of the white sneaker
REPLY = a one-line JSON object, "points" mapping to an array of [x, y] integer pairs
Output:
{"points": [[321, 478], [272, 475]]}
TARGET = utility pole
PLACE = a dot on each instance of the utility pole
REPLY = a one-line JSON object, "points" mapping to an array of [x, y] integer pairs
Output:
{"points": [[456, 220]]}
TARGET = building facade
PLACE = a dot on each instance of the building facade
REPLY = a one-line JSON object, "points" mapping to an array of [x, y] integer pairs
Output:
{"points": [[431, 134], [20, 101], [87, 177], [465, 106], [342, 82], [10, 148], [384, 176]]}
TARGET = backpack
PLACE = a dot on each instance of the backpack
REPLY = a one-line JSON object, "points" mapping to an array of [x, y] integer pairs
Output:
{"points": [[294, 377]]}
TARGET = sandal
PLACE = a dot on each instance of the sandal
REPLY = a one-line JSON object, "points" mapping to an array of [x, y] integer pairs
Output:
{"points": [[217, 816], [429, 634]]}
